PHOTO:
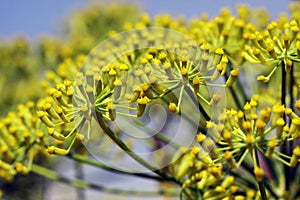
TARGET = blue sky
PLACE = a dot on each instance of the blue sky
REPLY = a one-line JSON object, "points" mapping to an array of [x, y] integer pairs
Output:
{"points": [[34, 18]]}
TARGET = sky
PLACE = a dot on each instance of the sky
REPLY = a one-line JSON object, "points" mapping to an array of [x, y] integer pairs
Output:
{"points": [[34, 18]]}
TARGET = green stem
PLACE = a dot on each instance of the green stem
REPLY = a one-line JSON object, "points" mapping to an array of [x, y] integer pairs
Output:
{"points": [[292, 82], [131, 153], [84, 159], [158, 135], [284, 148], [49, 174], [283, 84], [233, 90], [197, 103], [261, 184], [207, 118], [80, 176]]}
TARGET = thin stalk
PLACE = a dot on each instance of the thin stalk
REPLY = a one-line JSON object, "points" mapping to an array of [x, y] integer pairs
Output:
{"points": [[197, 103], [292, 101], [284, 148], [79, 176], [52, 175], [85, 160], [131, 153], [283, 84], [292, 82], [261, 184], [233, 91], [158, 135]]}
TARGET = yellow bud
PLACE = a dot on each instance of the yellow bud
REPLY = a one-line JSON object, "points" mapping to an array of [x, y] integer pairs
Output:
{"points": [[112, 72], [184, 166], [123, 67], [260, 124], [288, 65], [271, 51], [247, 126], [232, 77], [216, 171], [56, 134], [196, 150], [141, 106], [111, 111], [228, 181], [57, 151], [19, 167], [263, 79], [251, 193], [259, 174], [295, 127], [295, 157], [229, 158], [62, 115], [226, 135], [239, 197], [257, 53], [271, 145], [80, 137], [44, 118], [173, 108], [249, 141], [196, 82], [205, 47], [144, 61]]}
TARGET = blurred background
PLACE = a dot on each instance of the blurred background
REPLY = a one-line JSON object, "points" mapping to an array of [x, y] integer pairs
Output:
{"points": [[35, 18], [35, 36]]}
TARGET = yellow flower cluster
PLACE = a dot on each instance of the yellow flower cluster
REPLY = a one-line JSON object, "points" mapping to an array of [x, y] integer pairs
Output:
{"points": [[22, 141]]}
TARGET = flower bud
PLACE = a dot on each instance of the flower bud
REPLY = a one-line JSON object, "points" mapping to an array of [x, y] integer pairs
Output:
{"points": [[111, 111], [50, 110], [227, 182], [62, 115], [90, 93], [216, 171], [232, 77], [260, 124], [60, 98], [173, 108], [295, 157], [90, 77], [271, 146], [55, 134], [142, 102], [117, 89], [196, 82], [278, 111], [146, 88], [295, 127], [230, 159], [184, 167], [200, 138], [257, 53], [57, 151], [136, 94], [271, 51], [259, 174], [44, 118]]}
